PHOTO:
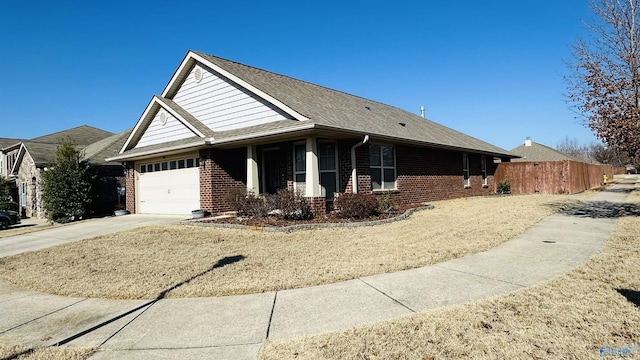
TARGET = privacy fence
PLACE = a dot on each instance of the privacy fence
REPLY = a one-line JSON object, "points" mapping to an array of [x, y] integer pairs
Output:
{"points": [[554, 177]]}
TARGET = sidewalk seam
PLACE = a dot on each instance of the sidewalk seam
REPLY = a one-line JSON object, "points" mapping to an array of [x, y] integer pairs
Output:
{"points": [[273, 308], [389, 296]]}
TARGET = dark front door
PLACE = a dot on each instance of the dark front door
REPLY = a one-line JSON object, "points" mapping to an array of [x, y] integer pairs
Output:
{"points": [[271, 171]]}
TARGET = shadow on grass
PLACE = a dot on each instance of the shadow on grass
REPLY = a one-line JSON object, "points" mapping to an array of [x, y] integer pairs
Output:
{"points": [[228, 260], [597, 209], [632, 296]]}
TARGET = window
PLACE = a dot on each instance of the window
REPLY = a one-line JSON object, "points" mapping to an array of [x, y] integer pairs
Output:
{"points": [[328, 169], [156, 167], [465, 170], [180, 164], [173, 165], [143, 169], [484, 171], [382, 167], [189, 163], [165, 166], [300, 166]]}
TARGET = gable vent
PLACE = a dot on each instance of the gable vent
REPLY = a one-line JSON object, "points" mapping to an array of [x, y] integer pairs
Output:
{"points": [[163, 117], [197, 74]]}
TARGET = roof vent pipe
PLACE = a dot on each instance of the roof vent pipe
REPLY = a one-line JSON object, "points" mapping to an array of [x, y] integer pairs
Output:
{"points": [[354, 173], [422, 111]]}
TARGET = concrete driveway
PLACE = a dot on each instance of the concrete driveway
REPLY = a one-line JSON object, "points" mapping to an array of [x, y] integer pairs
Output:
{"points": [[79, 231]]}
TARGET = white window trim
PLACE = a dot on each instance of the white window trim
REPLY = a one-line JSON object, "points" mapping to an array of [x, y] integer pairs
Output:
{"points": [[465, 171], [335, 163], [382, 168]]}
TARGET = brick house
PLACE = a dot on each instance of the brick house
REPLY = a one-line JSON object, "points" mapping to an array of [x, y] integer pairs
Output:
{"points": [[25, 160], [219, 125]]}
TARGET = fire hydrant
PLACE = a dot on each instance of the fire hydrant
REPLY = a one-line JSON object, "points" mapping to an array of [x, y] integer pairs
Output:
{"points": [[604, 179]]}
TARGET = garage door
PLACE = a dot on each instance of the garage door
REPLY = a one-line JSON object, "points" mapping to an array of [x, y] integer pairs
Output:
{"points": [[169, 192]]}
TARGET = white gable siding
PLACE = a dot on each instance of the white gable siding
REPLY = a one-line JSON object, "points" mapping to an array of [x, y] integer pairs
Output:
{"points": [[222, 105], [157, 133]]}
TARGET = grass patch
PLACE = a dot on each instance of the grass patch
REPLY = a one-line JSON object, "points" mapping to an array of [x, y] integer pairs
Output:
{"points": [[571, 317], [145, 262], [65, 352]]}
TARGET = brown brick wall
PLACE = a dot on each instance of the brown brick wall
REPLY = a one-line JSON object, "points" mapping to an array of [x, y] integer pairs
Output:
{"points": [[220, 171], [130, 187]]}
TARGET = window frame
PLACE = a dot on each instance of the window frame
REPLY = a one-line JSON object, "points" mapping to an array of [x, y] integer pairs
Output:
{"points": [[336, 165], [382, 167], [466, 173], [485, 179], [300, 185]]}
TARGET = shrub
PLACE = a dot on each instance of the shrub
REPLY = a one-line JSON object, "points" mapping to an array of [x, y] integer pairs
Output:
{"points": [[355, 206], [292, 205], [7, 205], [386, 204], [248, 203], [504, 187]]}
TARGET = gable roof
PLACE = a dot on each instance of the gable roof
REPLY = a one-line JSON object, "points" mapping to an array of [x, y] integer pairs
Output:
{"points": [[539, 152], [312, 107], [81, 135]]}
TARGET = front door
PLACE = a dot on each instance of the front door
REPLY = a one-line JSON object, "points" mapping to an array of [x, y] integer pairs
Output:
{"points": [[271, 171]]}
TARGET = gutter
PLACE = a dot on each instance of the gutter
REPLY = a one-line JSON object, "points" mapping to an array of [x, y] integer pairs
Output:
{"points": [[354, 173]]}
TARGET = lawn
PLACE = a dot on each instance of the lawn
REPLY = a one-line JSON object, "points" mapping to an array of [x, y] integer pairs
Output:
{"points": [[594, 308], [196, 261]]}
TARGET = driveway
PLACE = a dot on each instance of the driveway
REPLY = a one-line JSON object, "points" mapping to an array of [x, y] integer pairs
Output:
{"points": [[79, 231]]}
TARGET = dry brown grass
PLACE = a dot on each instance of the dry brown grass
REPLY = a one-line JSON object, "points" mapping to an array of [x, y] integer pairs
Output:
{"points": [[571, 317], [66, 353], [142, 263]]}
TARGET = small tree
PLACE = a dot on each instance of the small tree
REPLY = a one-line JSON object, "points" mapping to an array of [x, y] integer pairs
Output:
{"points": [[5, 189], [66, 186]]}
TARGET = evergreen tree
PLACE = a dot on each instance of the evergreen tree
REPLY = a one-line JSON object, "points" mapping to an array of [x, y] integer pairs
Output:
{"points": [[66, 186]]}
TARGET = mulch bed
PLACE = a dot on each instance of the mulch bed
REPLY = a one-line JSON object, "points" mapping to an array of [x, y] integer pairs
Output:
{"points": [[330, 218]]}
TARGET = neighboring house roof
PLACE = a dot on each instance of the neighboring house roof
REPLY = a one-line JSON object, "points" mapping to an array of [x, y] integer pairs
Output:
{"points": [[308, 107], [97, 152], [81, 135], [42, 154], [7, 142], [531, 151]]}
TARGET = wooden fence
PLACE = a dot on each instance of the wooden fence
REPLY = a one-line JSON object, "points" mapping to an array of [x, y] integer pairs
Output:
{"points": [[554, 177]]}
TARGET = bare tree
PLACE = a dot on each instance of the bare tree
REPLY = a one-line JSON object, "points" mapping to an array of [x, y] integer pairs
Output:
{"points": [[604, 86], [606, 155], [572, 147]]}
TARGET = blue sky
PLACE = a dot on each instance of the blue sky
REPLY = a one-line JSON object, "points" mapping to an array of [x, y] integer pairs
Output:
{"points": [[492, 69]]}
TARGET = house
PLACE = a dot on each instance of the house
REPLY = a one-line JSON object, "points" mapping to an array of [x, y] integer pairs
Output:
{"points": [[219, 125], [26, 159], [544, 170]]}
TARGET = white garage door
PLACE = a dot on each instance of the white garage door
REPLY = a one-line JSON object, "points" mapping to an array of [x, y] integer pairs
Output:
{"points": [[169, 192]]}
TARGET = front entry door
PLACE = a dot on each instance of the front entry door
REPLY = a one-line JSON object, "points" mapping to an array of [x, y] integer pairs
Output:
{"points": [[271, 171]]}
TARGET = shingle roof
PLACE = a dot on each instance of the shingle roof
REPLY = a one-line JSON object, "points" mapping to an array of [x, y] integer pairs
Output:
{"points": [[41, 153], [97, 152], [341, 111], [539, 152], [6, 142], [81, 135]]}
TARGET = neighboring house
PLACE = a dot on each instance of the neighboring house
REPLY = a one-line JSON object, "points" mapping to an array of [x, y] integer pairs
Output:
{"points": [[7, 161], [220, 125], [541, 169], [28, 158]]}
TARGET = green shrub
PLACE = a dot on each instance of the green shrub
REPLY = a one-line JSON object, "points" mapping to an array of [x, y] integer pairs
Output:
{"points": [[504, 187], [355, 206], [8, 205], [292, 205]]}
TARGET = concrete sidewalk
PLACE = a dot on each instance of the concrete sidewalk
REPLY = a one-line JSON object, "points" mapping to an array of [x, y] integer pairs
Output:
{"points": [[234, 327]]}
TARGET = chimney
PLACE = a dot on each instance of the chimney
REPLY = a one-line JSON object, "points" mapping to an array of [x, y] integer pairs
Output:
{"points": [[527, 141]]}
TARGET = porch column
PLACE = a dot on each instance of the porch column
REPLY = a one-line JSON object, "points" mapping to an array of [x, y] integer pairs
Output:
{"points": [[312, 176], [252, 170]]}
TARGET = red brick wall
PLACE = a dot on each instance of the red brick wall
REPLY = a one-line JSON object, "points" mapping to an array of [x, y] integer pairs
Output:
{"points": [[221, 170], [130, 187]]}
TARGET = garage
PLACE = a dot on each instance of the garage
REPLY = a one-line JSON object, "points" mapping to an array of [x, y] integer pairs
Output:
{"points": [[169, 192]]}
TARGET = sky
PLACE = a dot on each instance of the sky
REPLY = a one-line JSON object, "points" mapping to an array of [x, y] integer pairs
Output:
{"points": [[492, 69]]}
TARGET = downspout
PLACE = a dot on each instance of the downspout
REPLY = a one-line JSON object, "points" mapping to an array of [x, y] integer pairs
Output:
{"points": [[354, 174]]}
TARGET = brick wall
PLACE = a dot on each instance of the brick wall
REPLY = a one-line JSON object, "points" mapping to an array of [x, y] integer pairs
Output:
{"points": [[130, 187], [220, 171]]}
